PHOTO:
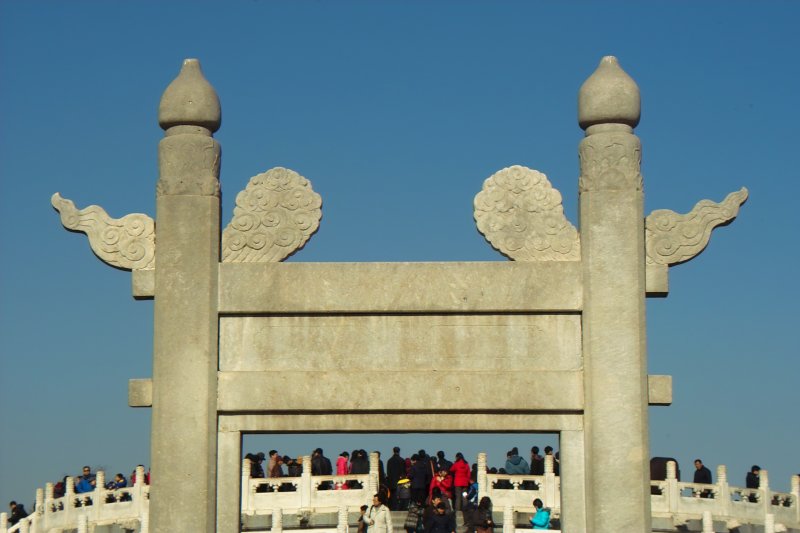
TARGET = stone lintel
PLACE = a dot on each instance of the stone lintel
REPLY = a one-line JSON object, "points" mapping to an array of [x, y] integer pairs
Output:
{"points": [[143, 284], [140, 392], [659, 390], [399, 287], [656, 280], [415, 390], [401, 422]]}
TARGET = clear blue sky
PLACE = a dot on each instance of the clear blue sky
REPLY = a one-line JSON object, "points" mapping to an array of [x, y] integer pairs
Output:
{"points": [[396, 112]]}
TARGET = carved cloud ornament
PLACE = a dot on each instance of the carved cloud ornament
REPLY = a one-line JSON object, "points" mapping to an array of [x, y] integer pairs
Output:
{"points": [[127, 243], [672, 238], [521, 216], [274, 216]]}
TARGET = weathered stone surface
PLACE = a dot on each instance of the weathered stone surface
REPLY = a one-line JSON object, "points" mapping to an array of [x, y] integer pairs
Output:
{"points": [[438, 343], [140, 392], [274, 217], [521, 215], [659, 390], [127, 243], [673, 238], [399, 287]]}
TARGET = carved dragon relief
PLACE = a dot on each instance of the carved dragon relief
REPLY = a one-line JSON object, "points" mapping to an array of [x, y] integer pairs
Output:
{"points": [[521, 216], [275, 215], [672, 238], [127, 243]]}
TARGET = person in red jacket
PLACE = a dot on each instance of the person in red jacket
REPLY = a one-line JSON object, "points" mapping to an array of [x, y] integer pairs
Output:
{"points": [[461, 472], [444, 483]]}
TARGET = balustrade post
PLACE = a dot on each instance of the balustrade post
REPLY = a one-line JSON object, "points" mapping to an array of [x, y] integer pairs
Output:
{"points": [[483, 487], [305, 487], [99, 492], [763, 489], [708, 522], [246, 486], [508, 519], [144, 523], [796, 493], [69, 500], [83, 524], [277, 520], [769, 523], [374, 477], [342, 526], [49, 496], [550, 496], [722, 498], [672, 493], [3, 522], [137, 494]]}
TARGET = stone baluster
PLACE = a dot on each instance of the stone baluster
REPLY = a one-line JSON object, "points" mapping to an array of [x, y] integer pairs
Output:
{"points": [[3, 522], [708, 522], [99, 492], [550, 495], [764, 492], [483, 487], [69, 500], [722, 498], [374, 475], [246, 492], [49, 496], [342, 525], [796, 493], [277, 521], [508, 519], [83, 524], [306, 488], [672, 492], [144, 523], [769, 523]]}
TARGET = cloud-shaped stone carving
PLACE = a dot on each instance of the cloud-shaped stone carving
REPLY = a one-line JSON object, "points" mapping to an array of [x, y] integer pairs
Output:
{"points": [[521, 216], [127, 243], [275, 215], [672, 238]]}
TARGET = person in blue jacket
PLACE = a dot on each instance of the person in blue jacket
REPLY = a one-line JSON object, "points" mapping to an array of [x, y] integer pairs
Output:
{"points": [[541, 520]]}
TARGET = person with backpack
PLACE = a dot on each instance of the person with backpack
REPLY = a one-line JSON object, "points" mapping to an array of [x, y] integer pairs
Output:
{"points": [[414, 519]]}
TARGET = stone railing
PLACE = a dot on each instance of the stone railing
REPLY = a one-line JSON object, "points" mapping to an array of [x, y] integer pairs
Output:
{"points": [[682, 501], [672, 500], [128, 507], [297, 494]]}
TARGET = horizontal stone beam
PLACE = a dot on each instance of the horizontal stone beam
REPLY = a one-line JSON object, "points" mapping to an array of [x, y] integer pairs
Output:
{"points": [[263, 288], [400, 422], [412, 390], [140, 394]]}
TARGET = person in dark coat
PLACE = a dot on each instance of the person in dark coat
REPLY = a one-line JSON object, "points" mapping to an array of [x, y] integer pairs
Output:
{"points": [[440, 521], [420, 477], [395, 471], [479, 520], [752, 481], [17, 512], [321, 466], [702, 475]]}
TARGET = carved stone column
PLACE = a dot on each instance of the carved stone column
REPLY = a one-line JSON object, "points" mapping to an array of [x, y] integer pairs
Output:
{"points": [[184, 427], [613, 264]]}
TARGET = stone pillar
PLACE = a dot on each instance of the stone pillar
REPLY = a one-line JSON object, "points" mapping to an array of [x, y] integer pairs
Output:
{"points": [[508, 519], [342, 525], [3, 522], [374, 477], [83, 524], [613, 263], [231, 481], [722, 497], [708, 522], [549, 482], [306, 483], [185, 337], [573, 494]]}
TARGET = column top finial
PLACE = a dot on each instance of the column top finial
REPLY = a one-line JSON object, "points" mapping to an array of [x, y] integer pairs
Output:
{"points": [[190, 100], [609, 96]]}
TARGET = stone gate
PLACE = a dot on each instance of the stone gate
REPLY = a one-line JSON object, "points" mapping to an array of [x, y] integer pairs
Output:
{"points": [[245, 343]]}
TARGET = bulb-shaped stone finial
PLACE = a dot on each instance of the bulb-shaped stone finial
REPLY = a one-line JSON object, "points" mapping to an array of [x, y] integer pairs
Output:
{"points": [[190, 100], [609, 96]]}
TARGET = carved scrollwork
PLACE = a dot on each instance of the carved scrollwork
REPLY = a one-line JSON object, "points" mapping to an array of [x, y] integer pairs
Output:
{"points": [[127, 243], [672, 238], [275, 215], [521, 216]]}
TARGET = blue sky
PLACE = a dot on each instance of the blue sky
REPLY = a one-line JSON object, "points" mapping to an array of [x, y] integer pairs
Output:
{"points": [[396, 112]]}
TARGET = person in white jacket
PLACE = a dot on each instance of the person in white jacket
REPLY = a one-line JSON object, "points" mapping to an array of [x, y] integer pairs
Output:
{"points": [[379, 516]]}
